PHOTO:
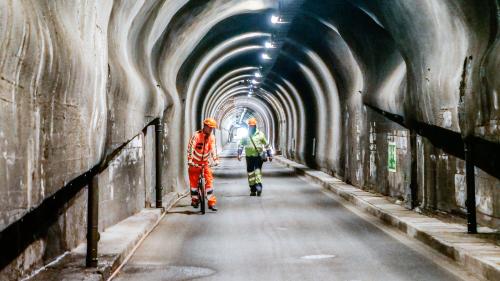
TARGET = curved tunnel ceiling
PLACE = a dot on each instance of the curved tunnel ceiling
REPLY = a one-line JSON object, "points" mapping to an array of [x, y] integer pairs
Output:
{"points": [[418, 62], [329, 55], [356, 52]]}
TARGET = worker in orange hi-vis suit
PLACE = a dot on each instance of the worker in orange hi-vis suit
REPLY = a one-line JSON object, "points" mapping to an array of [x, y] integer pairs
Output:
{"points": [[201, 149]]}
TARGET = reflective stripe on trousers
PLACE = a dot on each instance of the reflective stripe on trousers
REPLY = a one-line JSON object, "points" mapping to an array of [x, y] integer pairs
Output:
{"points": [[194, 176], [254, 170]]}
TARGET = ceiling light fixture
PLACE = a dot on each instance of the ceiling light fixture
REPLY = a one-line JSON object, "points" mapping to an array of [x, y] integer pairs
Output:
{"points": [[275, 19], [269, 45], [266, 56]]}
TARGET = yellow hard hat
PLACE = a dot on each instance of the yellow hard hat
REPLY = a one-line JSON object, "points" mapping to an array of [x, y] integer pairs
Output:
{"points": [[252, 122], [210, 122]]}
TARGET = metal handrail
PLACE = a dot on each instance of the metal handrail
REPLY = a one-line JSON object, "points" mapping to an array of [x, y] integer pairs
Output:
{"points": [[93, 235]]}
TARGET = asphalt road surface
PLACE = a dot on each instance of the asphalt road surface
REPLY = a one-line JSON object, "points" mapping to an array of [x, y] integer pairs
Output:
{"points": [[295, 231]]}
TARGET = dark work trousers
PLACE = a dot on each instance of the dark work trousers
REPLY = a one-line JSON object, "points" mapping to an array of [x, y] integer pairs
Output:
{"points": [[254, 170]]}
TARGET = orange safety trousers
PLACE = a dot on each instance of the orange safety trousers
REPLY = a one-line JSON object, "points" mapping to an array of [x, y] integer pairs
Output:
{"points": [[194, 177]]}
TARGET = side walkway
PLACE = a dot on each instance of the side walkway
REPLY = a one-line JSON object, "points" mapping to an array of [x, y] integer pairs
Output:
{"points": [[115, 245], [476, 252]]}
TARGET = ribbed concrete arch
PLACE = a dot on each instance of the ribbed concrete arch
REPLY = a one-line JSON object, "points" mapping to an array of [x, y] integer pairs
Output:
{"points": [[220, 97], [348, 87], [296, 144], [211, 68], [264, 115], [231, 83], [240, 95], [292, 121], [228, 78], [214, 95], [220, 54], [244, 90], [372, 69], [328, 88], [233, 80]]}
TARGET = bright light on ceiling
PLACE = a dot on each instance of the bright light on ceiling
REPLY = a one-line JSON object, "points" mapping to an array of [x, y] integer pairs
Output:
{"points": [[275, 19]]}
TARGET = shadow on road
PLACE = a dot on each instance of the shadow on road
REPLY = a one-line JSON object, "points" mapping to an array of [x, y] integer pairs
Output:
{"points": [[185, 212]]}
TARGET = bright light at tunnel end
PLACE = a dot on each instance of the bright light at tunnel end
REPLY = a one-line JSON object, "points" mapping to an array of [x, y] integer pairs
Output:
{"points": [[266, 56], [241, 133]]}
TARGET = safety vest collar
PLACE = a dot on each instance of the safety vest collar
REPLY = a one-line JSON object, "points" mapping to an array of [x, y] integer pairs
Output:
{"points": [[256, 134]]}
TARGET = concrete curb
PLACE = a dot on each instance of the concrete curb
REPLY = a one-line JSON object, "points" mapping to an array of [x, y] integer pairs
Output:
{"points": [[115, 245], [475, 252]]}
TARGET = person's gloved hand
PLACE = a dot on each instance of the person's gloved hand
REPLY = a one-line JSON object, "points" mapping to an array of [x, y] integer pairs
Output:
{"points": [[269, 155]]}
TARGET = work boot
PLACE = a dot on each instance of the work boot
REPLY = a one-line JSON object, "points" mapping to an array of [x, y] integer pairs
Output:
{"points": [[258, 187], [253, 190], [213, 208], [195, 204]]}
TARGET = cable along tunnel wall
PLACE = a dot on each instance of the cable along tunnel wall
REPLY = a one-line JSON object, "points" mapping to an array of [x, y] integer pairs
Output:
{"points": [[351, 79]]}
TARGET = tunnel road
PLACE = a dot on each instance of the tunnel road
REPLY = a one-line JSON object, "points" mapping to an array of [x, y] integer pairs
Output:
{"points": [[295, 231]]}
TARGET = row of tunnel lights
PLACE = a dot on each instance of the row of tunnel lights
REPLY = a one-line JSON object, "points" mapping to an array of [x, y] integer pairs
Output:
{"points": [[253, 83], [268, 45]]}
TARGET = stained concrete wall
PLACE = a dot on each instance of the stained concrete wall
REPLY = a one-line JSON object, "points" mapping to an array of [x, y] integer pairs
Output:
{"points": [[440, 178], [403, 81], [53, 67], [66, 233], [52, 98], [76, 85], [122, 189]]}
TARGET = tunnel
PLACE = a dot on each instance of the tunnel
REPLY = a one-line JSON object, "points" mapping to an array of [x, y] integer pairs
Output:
{"points": [[397, 99]]}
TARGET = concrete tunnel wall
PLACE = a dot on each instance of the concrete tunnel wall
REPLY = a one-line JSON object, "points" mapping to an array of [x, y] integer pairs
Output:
{"points": [[80, 80]]}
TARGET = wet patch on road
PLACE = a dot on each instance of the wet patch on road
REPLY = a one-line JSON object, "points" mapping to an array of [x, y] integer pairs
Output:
{"points": [[317, 257], [164, 272]]}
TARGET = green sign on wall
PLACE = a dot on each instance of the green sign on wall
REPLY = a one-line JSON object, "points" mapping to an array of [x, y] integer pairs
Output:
{"points": [[392, 159]]}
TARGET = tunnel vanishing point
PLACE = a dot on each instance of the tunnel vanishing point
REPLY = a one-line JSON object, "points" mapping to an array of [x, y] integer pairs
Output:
{"points": [[99, 97]]}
